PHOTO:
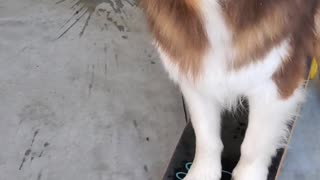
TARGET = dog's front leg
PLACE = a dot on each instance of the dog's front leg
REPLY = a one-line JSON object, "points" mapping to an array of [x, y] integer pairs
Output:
{"points": [[205, 118]]}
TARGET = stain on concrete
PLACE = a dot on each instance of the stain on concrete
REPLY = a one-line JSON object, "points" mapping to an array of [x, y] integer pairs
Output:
{"points": [[46, 144], [38, 114], [135, 124], [145, 167], [32, 157], [105, 50], [120, 27], [23, 161], [30, 152], [40, 155], [90, 87], [26, 154], [39, 176], [105, 69], [88, 7], [34, 136], [116, 57]]}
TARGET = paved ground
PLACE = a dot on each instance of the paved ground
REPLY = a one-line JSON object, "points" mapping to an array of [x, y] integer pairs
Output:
{"points": [[303, 159], [83, 96]]}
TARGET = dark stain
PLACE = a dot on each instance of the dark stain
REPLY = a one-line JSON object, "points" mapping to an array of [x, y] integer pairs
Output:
{"points": [[152, 62], [109, 126], [124, 37], [105, 69], [90, 87], [100, 11], [75, 22], [34, 136], [91, 80], [38, 112], [40, 155], [132, 3], [147, 139], [135, 124], [26, 154], [33, 155], [115, 23], [86, 23], [105, 26], [39, 176], [146, 169], [117, 61], [89, 7], [23, 161], [46, 144], [105, 50]]}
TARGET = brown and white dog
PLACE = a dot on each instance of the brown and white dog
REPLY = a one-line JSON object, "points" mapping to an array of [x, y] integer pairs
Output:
{"points": [[220, 50]]}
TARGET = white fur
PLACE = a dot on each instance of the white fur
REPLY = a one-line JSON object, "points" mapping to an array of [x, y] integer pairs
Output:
{"points": [[219, 87]]}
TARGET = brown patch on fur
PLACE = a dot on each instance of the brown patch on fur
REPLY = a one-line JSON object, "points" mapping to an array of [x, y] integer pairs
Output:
{"points": [[291, 75], [294, 70], [178, 30], [260, 25]]}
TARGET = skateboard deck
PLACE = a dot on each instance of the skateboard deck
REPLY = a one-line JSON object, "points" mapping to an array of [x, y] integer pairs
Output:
{"points": [[233, 130]]}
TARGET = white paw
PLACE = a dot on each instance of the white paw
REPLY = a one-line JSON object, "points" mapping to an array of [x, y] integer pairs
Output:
{"points": [[250, 171], [204, 175], [204, 171]]}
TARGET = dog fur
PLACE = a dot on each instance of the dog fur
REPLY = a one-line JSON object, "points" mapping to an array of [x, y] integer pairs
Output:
{"points": [[219, 50]]}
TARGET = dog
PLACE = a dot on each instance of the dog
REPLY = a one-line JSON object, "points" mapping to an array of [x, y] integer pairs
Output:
{"points": [[220, 50]]}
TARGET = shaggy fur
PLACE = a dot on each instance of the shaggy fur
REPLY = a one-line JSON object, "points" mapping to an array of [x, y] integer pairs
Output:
{"points": [[218, 50]]}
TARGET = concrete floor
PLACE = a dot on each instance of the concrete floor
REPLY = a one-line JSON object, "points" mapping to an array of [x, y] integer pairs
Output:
{"points": [[303, 158], [83, 96]]}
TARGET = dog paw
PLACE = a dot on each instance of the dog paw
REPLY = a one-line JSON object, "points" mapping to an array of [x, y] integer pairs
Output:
{"points": [[204, 172], [203, 176], [250, 171]]}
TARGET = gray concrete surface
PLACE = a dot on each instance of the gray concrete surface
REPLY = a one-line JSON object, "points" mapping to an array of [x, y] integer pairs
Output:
{"points": [[303, 158], [83, 94]]}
